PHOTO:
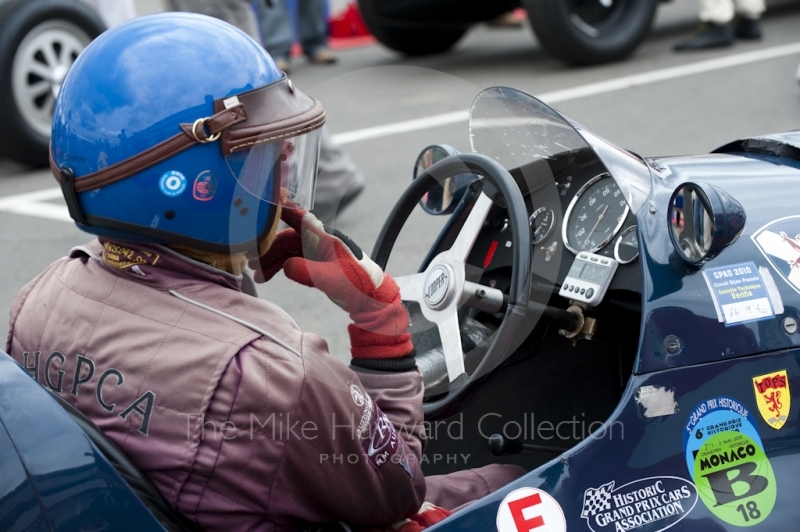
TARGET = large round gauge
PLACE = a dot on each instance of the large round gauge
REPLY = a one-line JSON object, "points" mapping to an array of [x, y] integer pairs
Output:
{"points": [[542, 221], [595, 215]]}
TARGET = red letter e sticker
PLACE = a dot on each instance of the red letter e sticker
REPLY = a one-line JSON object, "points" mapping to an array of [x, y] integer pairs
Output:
{"points": [[530, 510]]}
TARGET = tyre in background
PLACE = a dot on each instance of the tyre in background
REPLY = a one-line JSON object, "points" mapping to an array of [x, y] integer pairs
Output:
{"points": [[39, 41], [406, 32], [587, 32]]}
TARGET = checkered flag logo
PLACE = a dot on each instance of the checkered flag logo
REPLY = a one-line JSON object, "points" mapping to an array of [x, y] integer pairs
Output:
{"points": [[596, 500]]}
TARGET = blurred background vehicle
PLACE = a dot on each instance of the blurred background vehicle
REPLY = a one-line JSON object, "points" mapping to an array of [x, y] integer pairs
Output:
{"points": [[39, 41], [580, 32]]}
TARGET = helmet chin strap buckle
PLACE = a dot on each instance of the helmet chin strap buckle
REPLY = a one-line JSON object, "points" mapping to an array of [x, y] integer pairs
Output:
{"points": [[67, 183], [205, 139]]}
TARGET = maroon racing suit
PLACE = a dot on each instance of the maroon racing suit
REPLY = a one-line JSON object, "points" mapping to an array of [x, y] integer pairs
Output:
{"points": [[241, 420]]}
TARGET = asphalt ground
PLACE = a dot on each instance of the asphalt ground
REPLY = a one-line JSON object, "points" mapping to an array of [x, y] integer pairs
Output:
{"points": [[655, 103]]}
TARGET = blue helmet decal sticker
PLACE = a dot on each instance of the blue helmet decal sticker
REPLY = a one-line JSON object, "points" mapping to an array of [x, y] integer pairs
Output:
{"points": [[172, 183]]}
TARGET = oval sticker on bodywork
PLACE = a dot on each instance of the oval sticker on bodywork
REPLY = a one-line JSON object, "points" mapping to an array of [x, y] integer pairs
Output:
{"points": [[735, 479], [646, 505]]}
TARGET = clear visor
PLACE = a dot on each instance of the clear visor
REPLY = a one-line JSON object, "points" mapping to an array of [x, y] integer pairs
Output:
{"points": [[282, 172]]}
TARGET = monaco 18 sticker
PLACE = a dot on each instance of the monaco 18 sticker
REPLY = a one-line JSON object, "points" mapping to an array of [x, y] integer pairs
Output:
{"points": [[726, 458], [530, 510]]}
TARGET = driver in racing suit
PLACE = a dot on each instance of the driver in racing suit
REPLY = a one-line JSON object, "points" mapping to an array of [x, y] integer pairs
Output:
{"points": [[241, 420]]}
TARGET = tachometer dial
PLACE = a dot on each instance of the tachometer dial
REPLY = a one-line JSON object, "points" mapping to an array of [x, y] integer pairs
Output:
{"points": [[542, 221], [595, 215], [627, 248]]}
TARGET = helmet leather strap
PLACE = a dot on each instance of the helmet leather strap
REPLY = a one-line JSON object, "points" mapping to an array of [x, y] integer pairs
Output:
{"points": [[262, 115]]}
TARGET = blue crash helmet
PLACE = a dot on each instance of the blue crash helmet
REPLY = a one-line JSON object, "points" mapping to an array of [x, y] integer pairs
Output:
{"points": [[179, 128]]}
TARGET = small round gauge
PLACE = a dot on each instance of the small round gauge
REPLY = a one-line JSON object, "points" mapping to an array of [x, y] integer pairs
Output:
{"points": [[626, 249], [595, 215], [542, 222]]}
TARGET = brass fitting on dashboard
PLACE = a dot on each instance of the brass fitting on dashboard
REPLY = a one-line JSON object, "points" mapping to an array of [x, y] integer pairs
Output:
{"points": [[586, 327]]}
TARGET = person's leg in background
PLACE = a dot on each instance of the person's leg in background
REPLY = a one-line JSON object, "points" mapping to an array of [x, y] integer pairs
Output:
{"points": [[748, 13], [235, 12], [339, 181], [715, 29], [312, 29], [115, 12], [277, 30]]}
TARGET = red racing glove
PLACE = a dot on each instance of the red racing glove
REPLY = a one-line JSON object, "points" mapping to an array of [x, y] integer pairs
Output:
{"points": [[313, 255], [428, 515]]}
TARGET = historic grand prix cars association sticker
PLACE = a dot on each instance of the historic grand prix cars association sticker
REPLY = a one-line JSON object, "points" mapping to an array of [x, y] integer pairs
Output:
{"points": [[735, 479], [711, 417], [644, 505], [773, 398], [530, 509]]}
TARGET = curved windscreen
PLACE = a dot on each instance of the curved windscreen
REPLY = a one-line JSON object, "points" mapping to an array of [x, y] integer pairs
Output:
{"points": [[515, 128]]}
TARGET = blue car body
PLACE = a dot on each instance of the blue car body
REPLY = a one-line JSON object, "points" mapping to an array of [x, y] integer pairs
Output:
{"points": [[711, 361]]}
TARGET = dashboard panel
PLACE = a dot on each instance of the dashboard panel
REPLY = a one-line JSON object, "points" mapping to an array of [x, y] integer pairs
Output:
{"points": [[574, 206]]}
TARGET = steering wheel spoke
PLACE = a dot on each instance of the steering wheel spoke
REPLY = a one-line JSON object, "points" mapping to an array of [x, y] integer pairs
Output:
{"points": [[472, 227], [411, 287], [450, 335]]}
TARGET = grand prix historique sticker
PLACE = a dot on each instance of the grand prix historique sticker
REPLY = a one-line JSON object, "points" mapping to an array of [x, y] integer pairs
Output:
{"points": [[711, 417]]}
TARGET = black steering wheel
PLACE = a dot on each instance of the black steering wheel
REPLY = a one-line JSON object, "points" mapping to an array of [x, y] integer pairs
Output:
{"points": [[442, 289]]}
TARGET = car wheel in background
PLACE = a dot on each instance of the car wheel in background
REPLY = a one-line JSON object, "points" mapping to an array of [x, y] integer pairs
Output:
{"points": [[410, 37], [585, 32], [39, 41]]}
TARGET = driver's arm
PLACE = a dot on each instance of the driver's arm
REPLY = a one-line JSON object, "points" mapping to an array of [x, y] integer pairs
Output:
{"points": [[364, 466], [319, 448]]}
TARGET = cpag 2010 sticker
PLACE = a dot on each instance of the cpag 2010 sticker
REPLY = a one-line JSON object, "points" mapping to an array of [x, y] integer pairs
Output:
{"points": [[739, 293], [735, 479]]}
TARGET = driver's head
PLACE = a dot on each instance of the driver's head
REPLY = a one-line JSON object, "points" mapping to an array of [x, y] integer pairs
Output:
{"points": [[179, 129]]}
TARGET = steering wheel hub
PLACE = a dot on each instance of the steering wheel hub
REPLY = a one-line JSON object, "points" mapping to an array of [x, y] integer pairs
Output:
{"points": [[439, 286]]}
